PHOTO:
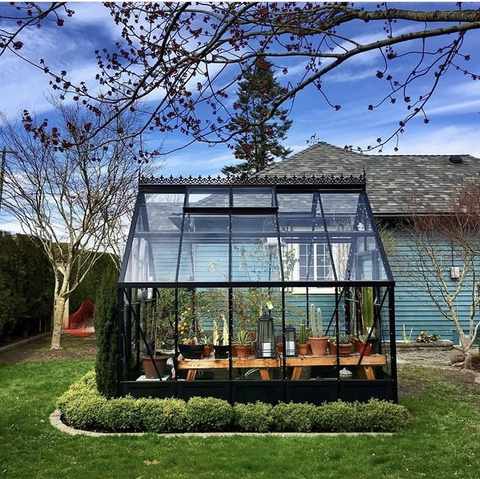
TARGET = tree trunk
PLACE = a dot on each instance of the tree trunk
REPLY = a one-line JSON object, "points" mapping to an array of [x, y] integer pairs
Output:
{"points": [[59, 309], [465, 341]]}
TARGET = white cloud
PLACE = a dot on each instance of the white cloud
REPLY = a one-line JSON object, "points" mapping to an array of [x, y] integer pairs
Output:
{"points": [[455, 107], [444, 141]]}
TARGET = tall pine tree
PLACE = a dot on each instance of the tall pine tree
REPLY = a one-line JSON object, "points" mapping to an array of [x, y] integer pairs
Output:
{"points": [[260, 144]]}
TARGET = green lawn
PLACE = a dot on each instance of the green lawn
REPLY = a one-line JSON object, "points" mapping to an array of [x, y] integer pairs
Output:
{"points": [[443, 441]]}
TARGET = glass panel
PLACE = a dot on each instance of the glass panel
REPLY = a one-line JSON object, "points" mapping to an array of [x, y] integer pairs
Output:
{"points": [[340, 210], [296, 202], [364, 222], [300, 211], [341, 250], [139, 265], [255, 250], [314, 262], [254, 197], [154, 250], [213, 318], [306, 256], [367, 264], [248, 305], [204, 252], [208, 197]]}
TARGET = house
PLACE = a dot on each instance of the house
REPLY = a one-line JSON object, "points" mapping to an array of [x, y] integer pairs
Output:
{"points": [[391, 183], [266, 256]]}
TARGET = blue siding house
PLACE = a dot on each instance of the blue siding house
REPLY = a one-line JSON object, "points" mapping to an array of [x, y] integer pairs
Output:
{"points": [[392, 182]]}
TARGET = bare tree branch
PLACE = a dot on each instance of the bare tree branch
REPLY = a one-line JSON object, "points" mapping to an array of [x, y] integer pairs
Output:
{"points": [[28, 15], [189, 57]]}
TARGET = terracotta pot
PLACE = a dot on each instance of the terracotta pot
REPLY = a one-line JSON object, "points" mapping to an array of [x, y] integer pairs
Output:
{"points": [[303, 349], [241, 351], [280, 347], [364, 348], [149, 368], [319, 346], [207, 350], [344, 349]]}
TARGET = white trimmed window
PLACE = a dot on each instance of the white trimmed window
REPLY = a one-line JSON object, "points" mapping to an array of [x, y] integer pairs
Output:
{"points": [[320, 267]]}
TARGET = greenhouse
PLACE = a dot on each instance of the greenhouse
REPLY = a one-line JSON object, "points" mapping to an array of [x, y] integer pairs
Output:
{"points": [[271, 289]]}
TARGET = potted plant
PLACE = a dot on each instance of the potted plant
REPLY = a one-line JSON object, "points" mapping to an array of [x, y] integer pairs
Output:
{"points": [[345, 345], [364, 346], [318, 342], [279, 344], [189, 347], [366, 305], [302, 342], [220, 341], [242, 341], [207, 341], [188, 344]]}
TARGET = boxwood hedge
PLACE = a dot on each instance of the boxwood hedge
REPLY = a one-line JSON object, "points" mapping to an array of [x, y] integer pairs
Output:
{"points": [[82, 407]]}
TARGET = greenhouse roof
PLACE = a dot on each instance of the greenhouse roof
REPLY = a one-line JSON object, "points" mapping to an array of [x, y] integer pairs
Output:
{"points": [[290, 231]]}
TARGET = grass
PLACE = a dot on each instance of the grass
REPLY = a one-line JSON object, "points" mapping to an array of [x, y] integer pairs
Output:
{"points": [[443, 441]]}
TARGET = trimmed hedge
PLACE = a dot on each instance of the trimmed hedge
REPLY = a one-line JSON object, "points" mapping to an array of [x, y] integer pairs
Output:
{"points": [[82, 407], [254, 417]]}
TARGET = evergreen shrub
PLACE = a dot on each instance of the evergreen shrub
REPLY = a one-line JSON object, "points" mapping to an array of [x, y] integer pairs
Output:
{"points": [[338, 416], [83, 407], [163, 415], [253, 417], [121, 415], [208, 414], [381, 416], [84, 411], [106, 331], [294, 417]]}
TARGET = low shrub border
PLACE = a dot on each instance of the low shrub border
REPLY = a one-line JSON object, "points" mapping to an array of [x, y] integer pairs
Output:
{"points": [[82, 407]]}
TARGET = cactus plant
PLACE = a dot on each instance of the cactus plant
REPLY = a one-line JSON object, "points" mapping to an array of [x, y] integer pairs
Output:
{"points": [[302, 333], [317, 323]]}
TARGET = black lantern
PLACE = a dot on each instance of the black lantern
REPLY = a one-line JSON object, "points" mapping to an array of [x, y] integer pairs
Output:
{"points": [[290, 341], [265, 337]]}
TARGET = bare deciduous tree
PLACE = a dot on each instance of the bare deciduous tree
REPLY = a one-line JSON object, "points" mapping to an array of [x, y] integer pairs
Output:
{"points": [[439, 237], [74, 201]]}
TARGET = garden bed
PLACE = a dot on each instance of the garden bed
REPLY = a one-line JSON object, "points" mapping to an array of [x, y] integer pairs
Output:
{"points": [[443, 345]]}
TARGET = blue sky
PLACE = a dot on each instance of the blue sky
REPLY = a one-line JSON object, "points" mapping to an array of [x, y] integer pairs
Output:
{"points": [[454, 113]]}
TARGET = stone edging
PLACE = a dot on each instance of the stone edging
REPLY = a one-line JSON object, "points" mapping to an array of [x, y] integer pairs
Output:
{"points": [[55, 421]]}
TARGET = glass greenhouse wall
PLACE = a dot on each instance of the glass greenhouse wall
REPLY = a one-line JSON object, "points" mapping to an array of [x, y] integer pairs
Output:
{"points": [[269, 265]]}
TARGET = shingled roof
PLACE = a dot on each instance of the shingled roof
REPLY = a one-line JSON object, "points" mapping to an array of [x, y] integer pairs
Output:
{"points": [[392, 180]]}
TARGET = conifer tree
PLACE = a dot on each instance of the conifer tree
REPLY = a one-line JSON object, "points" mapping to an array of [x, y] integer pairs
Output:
{"points": [[106, 327], [259, 144]]}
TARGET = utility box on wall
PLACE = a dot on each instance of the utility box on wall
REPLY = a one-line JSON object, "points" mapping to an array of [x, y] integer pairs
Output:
{"points": [[454, 272]]}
